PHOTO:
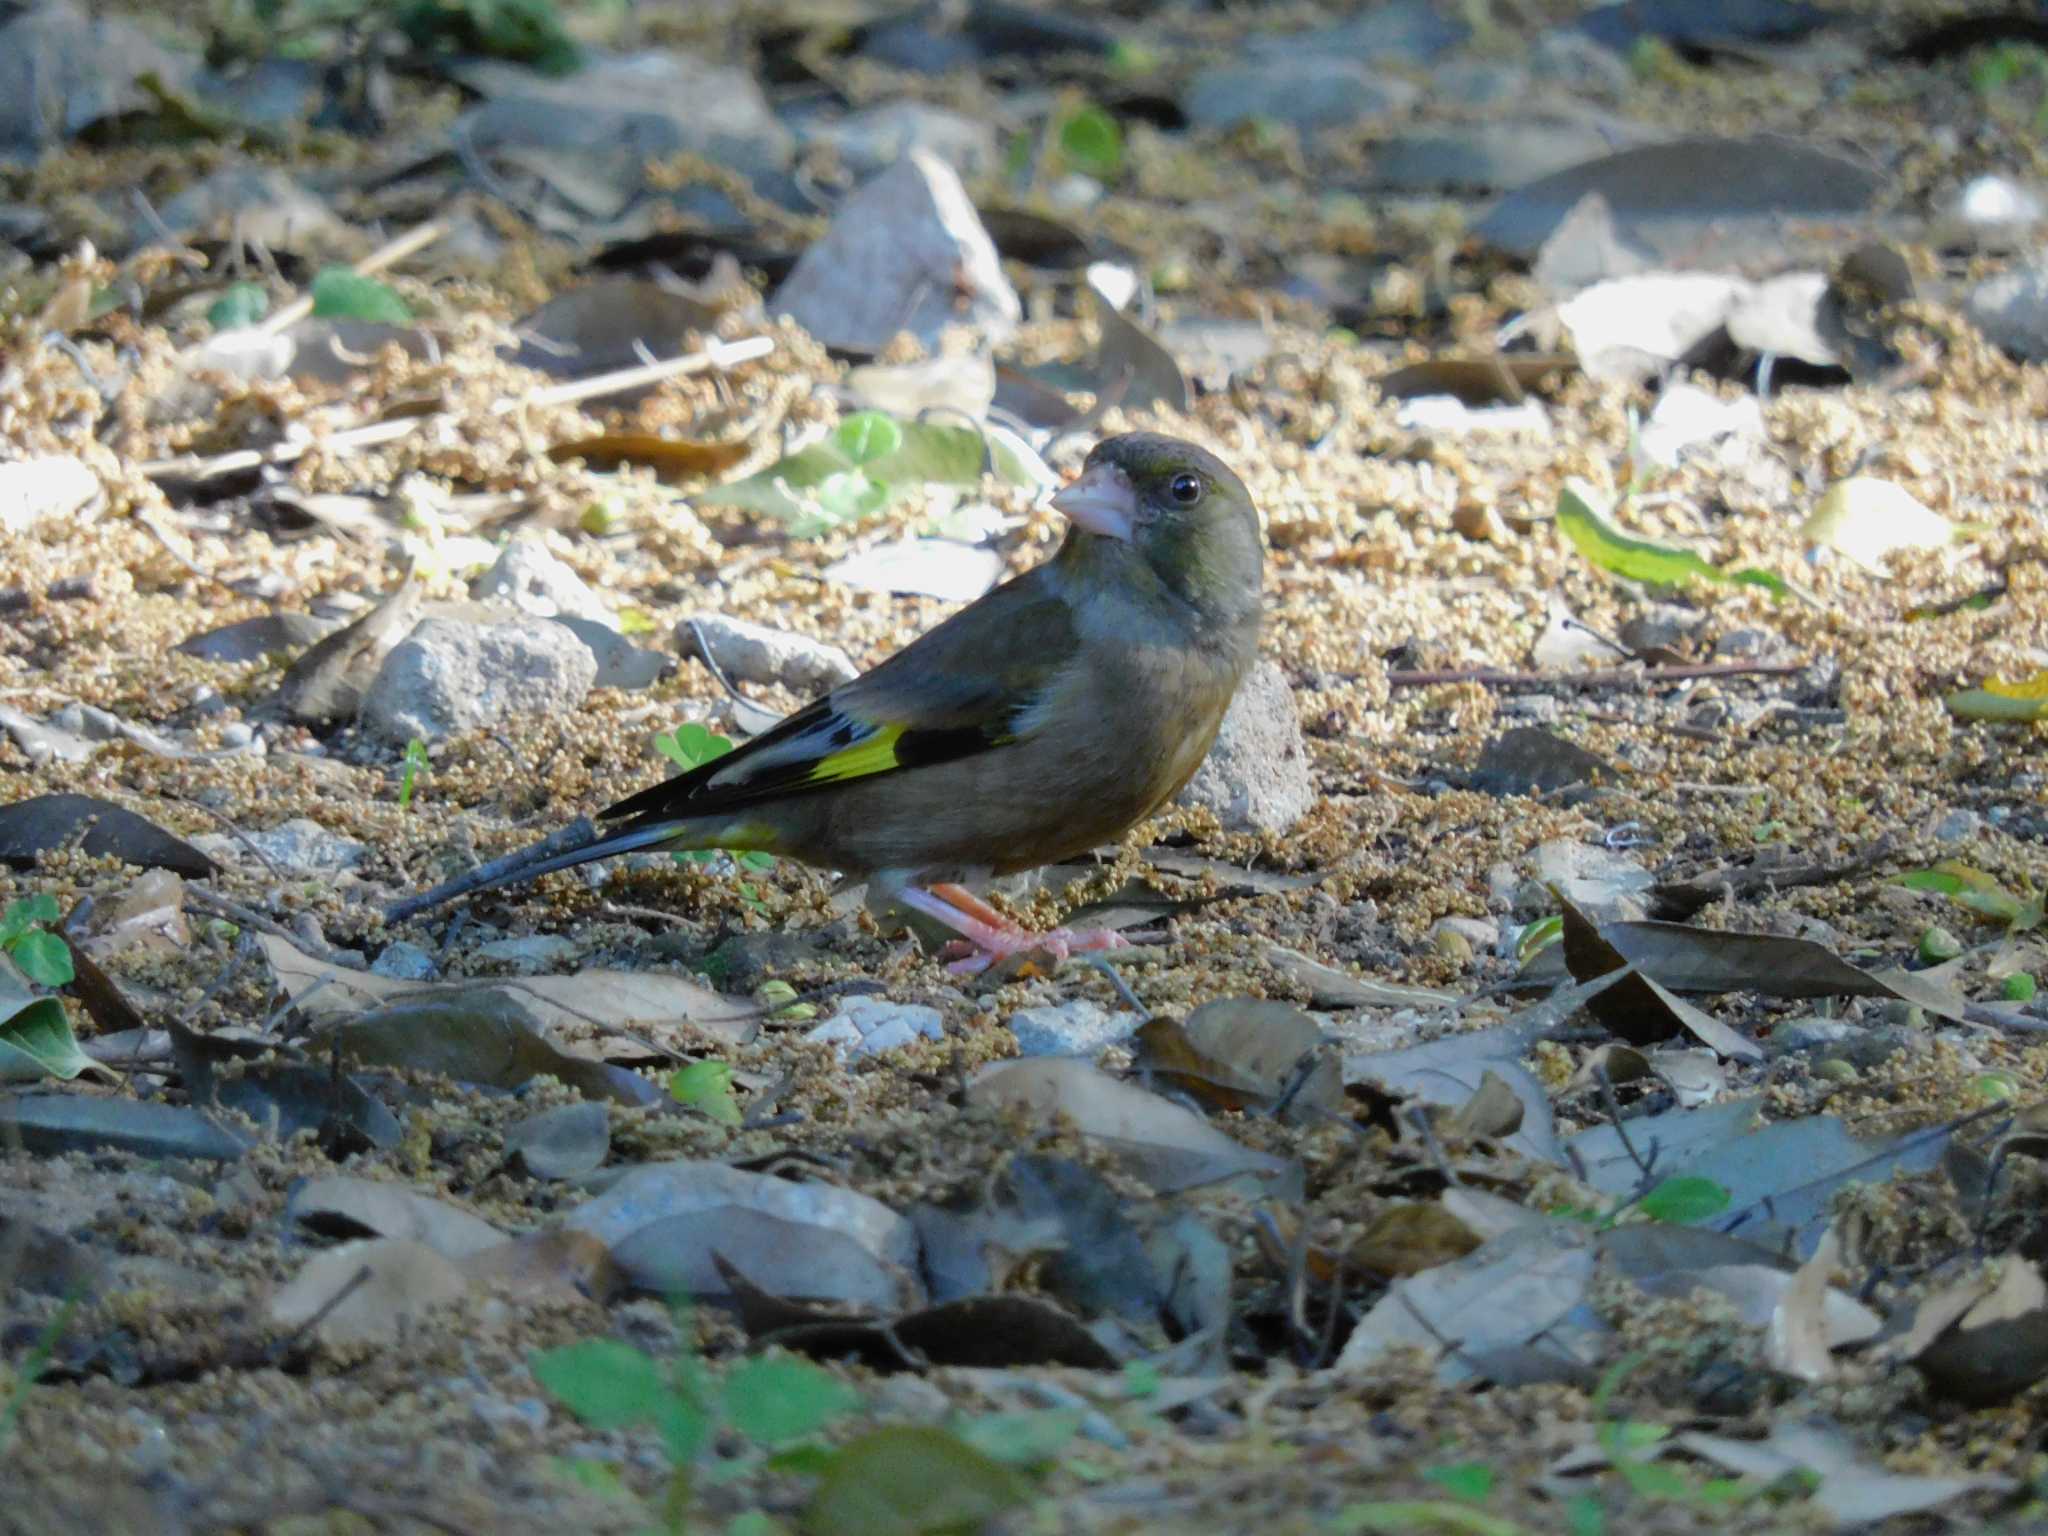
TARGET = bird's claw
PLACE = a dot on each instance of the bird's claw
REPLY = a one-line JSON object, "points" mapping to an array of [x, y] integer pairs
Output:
{"points": [[1058, 944]]}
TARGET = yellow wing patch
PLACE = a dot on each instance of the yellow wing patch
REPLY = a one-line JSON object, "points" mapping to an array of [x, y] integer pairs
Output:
{"points": [[875, 755]]}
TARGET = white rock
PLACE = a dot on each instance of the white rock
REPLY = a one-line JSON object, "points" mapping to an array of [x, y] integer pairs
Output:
{"points": [[1079, 1028], [406, 962], [1256, 777], [34, 489], [906, 252], [873, 139], [754, 653], [303, 846], [448, 675], [2012, 309], [1604, 884], [529, 578], [867, 1026]]}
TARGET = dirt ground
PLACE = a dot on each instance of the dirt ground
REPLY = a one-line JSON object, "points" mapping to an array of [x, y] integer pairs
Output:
{"points": [[1812, 728]]}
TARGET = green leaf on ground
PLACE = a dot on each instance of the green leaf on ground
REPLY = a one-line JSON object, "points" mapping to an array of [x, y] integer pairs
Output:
{"points": [[44, 958], [1471, 1481], [2026, 699], [777, 1399], [36, 1040], [1422, 1517], [1595, 534], [606, 1384], [239, 305], [1975, 891], [340, 293], [911, 1480], [706, 1086], [1683, 1201], [870, 462], [1091, 142]]}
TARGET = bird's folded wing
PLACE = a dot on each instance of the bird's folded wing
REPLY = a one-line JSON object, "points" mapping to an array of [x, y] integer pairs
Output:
{"points": [[974, 684]]}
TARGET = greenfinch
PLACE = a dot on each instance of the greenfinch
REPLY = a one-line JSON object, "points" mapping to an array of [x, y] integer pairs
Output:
{"points": [[1044, 719]]}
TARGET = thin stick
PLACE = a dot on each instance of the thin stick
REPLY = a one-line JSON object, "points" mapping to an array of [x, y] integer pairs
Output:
{"points": [[722, 354], [1612, 677]]}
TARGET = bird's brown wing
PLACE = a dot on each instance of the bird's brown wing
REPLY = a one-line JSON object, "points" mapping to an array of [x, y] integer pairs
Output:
{"points": [[969, 686]]}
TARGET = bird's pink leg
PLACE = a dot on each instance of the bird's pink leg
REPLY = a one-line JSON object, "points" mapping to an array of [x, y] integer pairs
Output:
{"points": [[992, 936]]}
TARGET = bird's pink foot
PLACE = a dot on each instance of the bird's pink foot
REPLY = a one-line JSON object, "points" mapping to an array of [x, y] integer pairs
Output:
{"points": [[988, 938]]}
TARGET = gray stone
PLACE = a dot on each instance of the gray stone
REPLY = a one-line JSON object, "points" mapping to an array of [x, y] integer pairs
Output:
{"points": [[448, 675], [1665, 625], [1306, 91], [1413, 31], [1575, 59], [1746, 645], [35, 490], [61, 72], [906, 252], [258, 202], [629, 108], [1958, 826], [300, 846], [872, 140], [2012, 310], [1836, 1039], [405, 962], [531, 953], [754, 653], [40, 742], [867, 1026], [1537, 708], [1255, 778], [527, 577], [1079, 1028], [1484, 156]]}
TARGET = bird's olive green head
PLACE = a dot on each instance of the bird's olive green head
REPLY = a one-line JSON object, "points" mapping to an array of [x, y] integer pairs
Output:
{"points": [[1175, 512]]}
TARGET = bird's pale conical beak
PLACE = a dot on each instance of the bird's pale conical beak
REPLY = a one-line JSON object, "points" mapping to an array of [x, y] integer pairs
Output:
{"points": [[1102, 501]]}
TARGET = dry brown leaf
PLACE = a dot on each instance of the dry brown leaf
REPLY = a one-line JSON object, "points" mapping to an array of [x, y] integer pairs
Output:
{"points": [[671, 458], [402, 1280], [1407, 1239], [1797, 1340]]}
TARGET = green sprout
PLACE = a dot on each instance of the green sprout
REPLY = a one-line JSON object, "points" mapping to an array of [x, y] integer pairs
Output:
{"points": [[43, 957]]}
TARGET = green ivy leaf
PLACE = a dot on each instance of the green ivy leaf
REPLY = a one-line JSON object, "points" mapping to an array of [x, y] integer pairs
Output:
{"points": [[706, 1086], [606, 1384], [44, 958], [1596, 536], [776, 1399], [1685, 1200], [340, 293]]}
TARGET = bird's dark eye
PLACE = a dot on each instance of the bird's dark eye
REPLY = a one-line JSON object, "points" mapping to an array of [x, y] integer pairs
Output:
{"points": [[1185, 489]]}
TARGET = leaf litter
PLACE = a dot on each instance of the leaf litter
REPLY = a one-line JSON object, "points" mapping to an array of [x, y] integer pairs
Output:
{"points": [[1334, 1170]]}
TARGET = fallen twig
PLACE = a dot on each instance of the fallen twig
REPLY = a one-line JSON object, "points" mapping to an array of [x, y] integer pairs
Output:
{"points": [[1608, 677], [68, 589], [200, 468]]}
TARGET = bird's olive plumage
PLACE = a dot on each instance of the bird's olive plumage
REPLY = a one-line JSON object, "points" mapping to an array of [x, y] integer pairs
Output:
{"points": [[1040, 721]]}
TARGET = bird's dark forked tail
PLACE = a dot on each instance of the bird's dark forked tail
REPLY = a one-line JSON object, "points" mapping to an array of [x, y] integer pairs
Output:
{"points": [[577, 843]]}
